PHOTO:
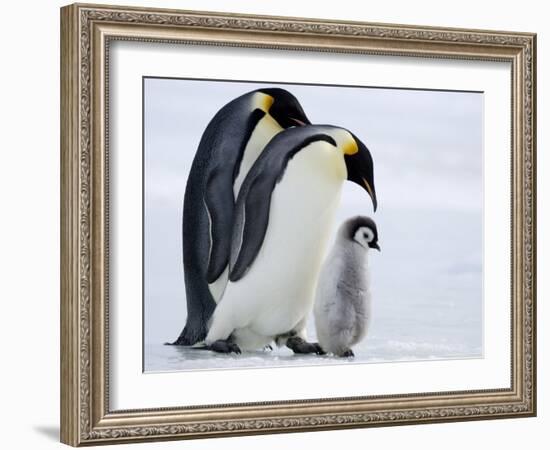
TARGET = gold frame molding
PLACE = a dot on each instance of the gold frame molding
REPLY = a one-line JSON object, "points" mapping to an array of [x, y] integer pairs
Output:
{"points": [[86, 31]]}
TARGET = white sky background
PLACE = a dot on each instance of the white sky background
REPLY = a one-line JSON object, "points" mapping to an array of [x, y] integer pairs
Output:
{"points": [[427, 150]]}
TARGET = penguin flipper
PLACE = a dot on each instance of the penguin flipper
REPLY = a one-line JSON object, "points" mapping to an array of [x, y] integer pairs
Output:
{"points": [[219, 204], [251, 220]]}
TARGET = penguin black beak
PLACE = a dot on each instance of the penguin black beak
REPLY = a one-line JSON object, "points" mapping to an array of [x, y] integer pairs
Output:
{"points": [[299, 122], [375, 245], [360, 168]]}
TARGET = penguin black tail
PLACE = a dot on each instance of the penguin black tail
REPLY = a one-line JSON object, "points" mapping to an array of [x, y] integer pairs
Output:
{"points": [[189, 336], [198, 346]]}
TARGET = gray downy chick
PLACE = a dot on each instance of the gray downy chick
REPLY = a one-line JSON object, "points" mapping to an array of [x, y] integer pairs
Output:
{"points": [[342, 302]]}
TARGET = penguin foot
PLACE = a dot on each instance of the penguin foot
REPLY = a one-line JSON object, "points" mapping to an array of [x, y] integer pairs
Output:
{"points": [[300, 346], [221, 346], [268, 348], [347, 354]]}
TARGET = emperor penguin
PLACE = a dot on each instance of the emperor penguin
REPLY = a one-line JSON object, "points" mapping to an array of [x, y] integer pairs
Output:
{"points": [[229, 146], [283, 220], [343, 297]]}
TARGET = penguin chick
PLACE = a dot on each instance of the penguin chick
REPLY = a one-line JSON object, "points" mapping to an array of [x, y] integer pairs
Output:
{"points": [[342, 302]]}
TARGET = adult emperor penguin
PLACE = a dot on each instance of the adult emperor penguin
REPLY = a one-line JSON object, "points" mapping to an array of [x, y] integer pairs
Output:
{"points": [[229, 146], [283, 218], [343, 297]]}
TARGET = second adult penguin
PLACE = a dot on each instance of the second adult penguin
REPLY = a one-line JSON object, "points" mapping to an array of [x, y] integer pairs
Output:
{"points": [[343, 298], [283, 219], [229, 146]]}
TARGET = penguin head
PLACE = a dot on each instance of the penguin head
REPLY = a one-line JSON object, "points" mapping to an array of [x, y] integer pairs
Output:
{"points": [[360, 168], [361, 230], [358, 159], [285, 108]]}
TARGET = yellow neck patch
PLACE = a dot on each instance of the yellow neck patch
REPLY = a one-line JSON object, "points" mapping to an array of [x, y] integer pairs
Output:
{"points": [[266, 102], [350, 147]]}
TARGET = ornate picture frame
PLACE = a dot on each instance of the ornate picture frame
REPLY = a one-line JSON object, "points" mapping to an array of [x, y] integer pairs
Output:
{"points": [[87, 31]]}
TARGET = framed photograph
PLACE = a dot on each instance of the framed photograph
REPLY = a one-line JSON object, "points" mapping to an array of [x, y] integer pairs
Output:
{"points": [[276, 224]]}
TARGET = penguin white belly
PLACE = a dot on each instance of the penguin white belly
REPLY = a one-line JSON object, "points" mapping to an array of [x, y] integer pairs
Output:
{"points": [[277, 291], [264, 131]]}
